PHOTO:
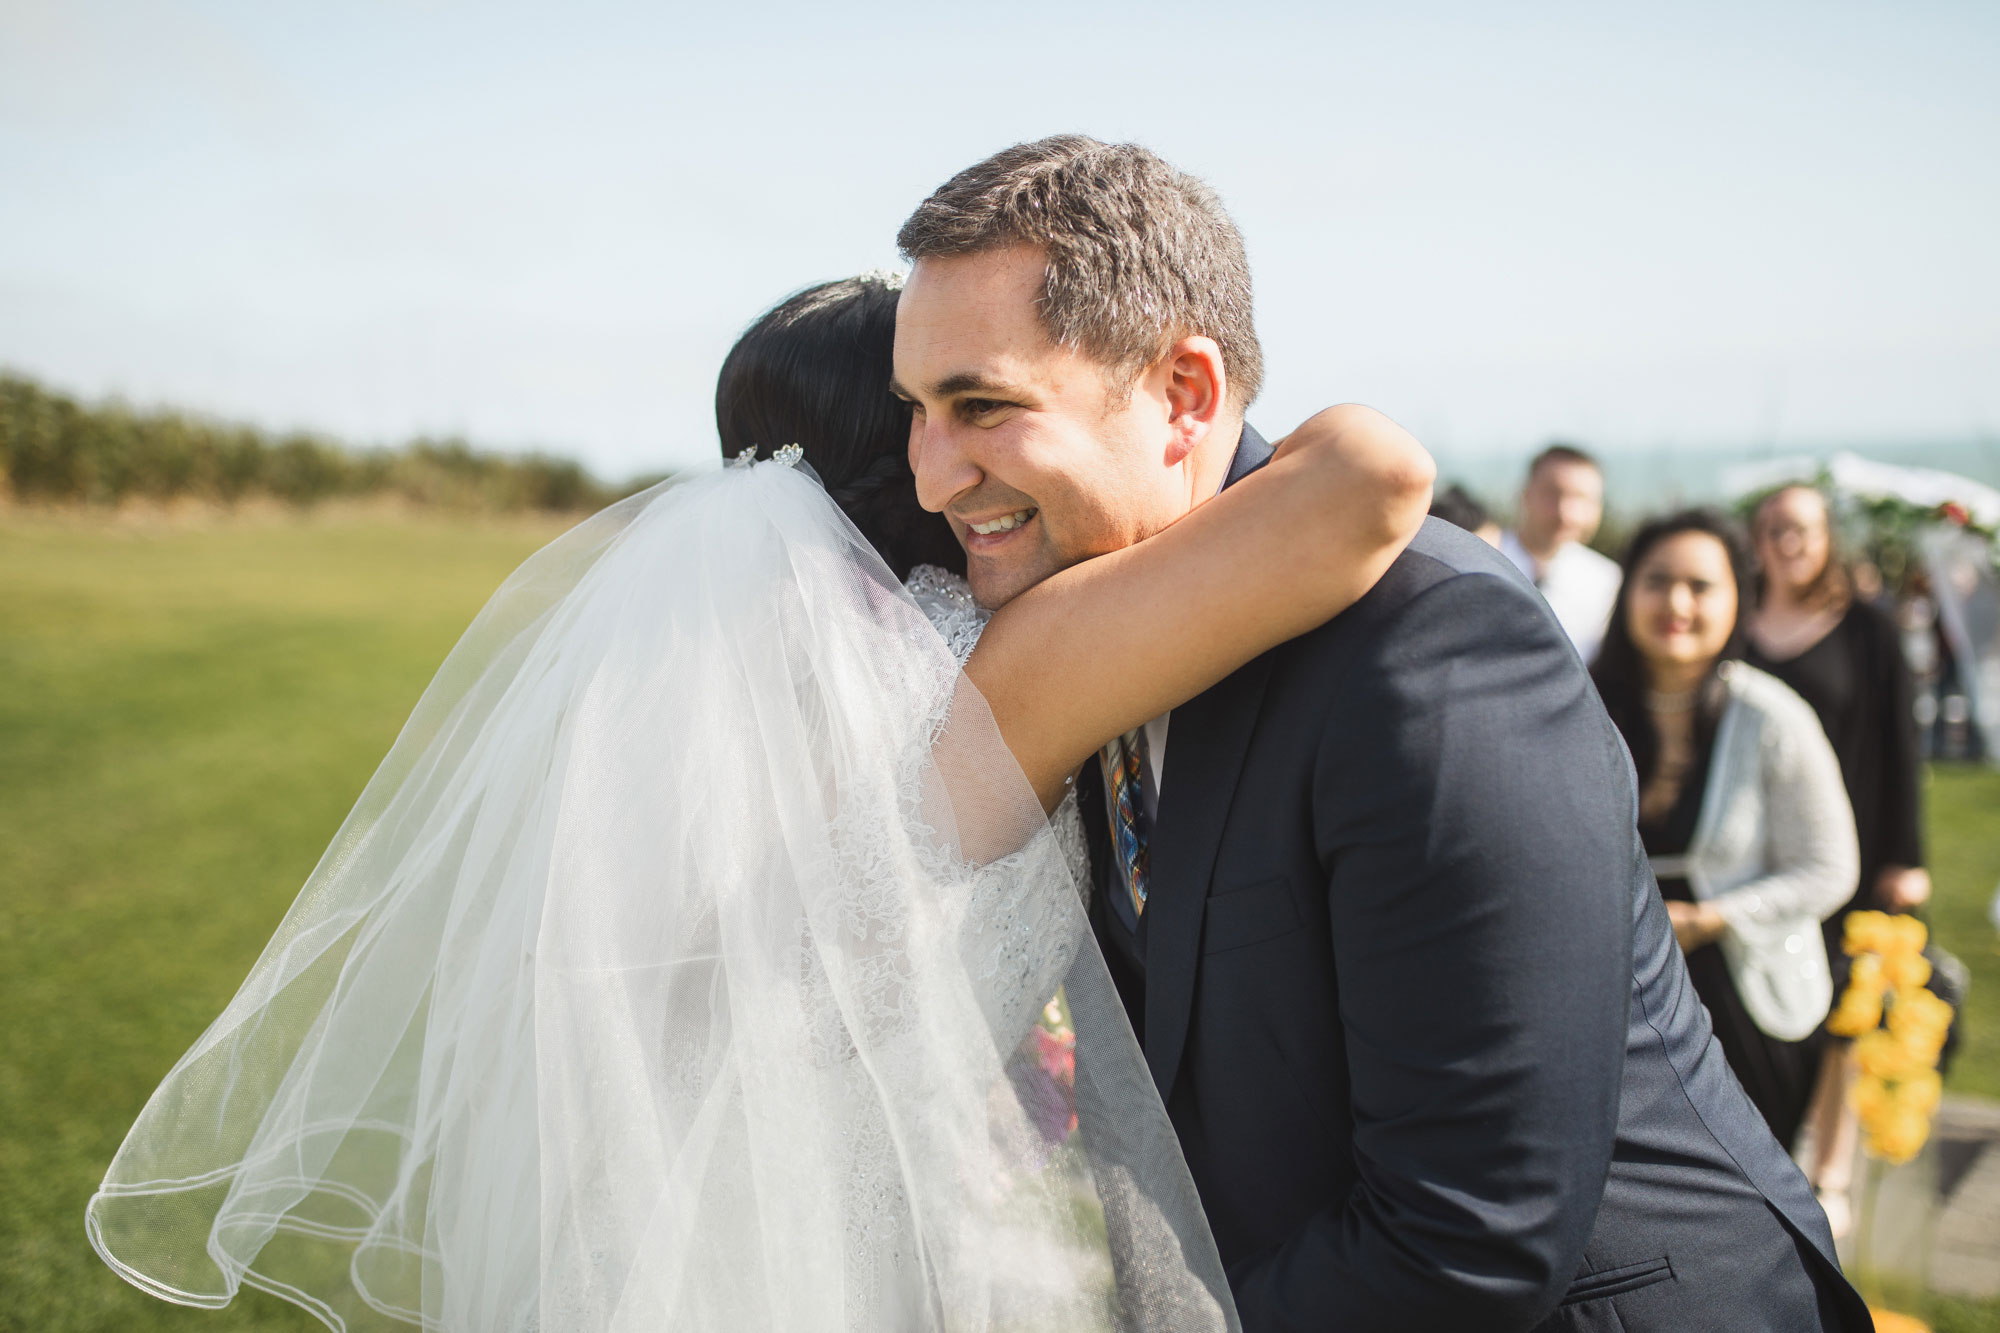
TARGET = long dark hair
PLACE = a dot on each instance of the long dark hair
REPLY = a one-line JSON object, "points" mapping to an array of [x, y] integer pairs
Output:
{"points": [[1620, 671], [814, 371]]}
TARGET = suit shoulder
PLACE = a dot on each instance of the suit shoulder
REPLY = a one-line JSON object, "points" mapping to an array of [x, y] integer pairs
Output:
{"points": [[1460, 551], [1447, 573], [1440, 552], [1448, 601]]}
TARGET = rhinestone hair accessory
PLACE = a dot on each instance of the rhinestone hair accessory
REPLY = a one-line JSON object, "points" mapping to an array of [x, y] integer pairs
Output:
{"points": [[785, 455]]}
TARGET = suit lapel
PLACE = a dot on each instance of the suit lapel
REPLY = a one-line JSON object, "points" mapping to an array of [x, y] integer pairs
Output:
{"points": [[1252, 452], [1206, 744]]}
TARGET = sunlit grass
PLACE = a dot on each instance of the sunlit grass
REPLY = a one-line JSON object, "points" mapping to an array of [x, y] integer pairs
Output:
{"points": [[186, 713], [1964, 809]]}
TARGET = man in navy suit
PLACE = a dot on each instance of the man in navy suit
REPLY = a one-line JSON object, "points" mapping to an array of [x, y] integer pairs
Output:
{"points": [[1376, 902]]}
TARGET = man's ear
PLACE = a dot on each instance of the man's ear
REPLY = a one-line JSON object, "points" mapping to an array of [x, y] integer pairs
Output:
{"points": [[1197, 391]]}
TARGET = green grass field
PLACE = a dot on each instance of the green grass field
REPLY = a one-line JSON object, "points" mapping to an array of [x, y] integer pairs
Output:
{"points": [[185, 716], [186, 713]]}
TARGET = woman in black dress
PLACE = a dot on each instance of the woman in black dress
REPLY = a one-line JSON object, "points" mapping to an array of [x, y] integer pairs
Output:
{"points": [[1845, 658]]}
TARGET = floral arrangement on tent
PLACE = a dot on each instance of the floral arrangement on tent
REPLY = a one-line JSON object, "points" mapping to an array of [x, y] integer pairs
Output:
{"points": [[1889, 527]]}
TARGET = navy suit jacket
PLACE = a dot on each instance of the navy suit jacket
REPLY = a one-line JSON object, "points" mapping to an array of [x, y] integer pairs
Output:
{"points": [[1411, 996]]}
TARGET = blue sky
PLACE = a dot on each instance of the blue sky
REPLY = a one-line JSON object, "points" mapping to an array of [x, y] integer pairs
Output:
{"points": [[1768, 224]]}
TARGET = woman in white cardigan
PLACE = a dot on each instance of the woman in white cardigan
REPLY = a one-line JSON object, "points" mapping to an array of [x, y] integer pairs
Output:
{"points": [[1741, 805]]}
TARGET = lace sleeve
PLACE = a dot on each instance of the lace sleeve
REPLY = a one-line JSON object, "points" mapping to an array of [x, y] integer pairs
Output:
{"points": [[1014, 941], [946, 601]]}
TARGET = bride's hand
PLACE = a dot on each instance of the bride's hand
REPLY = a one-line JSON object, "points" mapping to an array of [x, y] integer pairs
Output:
{"points": [[1279, 553]]}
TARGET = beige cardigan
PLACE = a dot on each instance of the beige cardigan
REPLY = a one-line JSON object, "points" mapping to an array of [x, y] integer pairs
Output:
{"points": [[1773, 849]]}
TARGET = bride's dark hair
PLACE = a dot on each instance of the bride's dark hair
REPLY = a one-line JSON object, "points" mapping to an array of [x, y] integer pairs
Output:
{"points": [[814, 371]]}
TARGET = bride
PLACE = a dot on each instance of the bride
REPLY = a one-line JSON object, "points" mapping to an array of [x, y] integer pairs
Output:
{"points": [[706, 953]]}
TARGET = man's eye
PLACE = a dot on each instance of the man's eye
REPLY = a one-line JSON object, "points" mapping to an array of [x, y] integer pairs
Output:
{"points": [[981, 407]]}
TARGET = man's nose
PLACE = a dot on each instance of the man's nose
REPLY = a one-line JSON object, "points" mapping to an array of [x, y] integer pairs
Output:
{"points": [[943, 467]]}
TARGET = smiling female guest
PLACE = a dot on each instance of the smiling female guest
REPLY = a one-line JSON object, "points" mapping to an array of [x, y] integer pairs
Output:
{"points": [[1740, 804], [1844, 657]]}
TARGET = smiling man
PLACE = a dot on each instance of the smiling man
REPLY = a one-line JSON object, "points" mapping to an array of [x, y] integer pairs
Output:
{"points": [[1034, 453], [1380, 914], [1057, 418]]}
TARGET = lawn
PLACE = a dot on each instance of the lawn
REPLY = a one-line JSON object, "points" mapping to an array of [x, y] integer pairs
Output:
{"points": [[186, 712], [1963, 806]]}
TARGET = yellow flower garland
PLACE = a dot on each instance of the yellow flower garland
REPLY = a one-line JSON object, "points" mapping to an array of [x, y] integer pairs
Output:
{"points": [[1898, 1091]]}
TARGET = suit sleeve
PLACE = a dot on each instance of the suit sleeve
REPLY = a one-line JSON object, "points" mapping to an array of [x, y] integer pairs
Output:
{"points": [[1474, 811]]}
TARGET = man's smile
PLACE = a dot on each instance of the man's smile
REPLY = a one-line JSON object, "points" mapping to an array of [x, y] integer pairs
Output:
{"points": [[992, 533]]}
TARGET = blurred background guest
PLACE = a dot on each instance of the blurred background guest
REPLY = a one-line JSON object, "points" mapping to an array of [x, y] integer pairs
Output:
{"points": [[1741, 806], [1845, 657], [1562, 502], [1460, 508]]}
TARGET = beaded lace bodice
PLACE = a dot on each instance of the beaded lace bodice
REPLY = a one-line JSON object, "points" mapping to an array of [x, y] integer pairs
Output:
{"points": [[946, 601]]}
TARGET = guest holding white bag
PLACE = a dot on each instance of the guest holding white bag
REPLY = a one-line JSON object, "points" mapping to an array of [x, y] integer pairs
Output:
{"points": [[1741, 805]]}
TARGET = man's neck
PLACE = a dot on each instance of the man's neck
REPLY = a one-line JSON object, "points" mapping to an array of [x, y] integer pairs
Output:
{"points": [[1209, 467], [1540, 551]]}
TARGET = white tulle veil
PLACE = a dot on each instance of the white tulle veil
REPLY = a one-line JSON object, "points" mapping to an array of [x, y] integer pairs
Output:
{"points": [[684, 966]]}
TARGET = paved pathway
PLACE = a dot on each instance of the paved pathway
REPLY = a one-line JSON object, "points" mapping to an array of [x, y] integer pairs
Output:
{"points": [[1955, 1187], [1965, 1251]]}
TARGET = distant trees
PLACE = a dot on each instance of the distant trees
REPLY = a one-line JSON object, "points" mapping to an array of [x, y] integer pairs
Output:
{"points": [[55, 450]]}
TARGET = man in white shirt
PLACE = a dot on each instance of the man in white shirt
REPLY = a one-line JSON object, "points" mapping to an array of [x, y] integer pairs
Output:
{"points": [[1562, 503]]}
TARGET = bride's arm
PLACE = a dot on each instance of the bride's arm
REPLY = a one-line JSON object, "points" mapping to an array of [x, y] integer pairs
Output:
{"points": [[1103, 646]]}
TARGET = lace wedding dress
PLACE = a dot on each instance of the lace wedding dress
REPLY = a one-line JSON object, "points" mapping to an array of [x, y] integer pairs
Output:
{"points": [[693, 961], [1036, 932]]}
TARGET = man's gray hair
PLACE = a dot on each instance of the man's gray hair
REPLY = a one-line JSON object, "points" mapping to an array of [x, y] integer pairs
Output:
{"points": [[1140, 255]]}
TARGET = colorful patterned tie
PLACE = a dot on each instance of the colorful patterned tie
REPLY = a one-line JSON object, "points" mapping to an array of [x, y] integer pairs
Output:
{"points": [[1123, 760]]}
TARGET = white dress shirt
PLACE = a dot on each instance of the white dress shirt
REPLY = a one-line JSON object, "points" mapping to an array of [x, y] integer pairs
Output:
{"points": [[1156, 762], [1579, 585]]}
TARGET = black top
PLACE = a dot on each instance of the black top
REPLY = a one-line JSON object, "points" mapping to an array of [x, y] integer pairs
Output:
{"points": [[1673, 832], [1778, 1074], [1857, 682]]}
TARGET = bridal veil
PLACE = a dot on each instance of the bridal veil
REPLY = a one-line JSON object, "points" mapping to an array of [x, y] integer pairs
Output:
{"points": [[693, 961]]}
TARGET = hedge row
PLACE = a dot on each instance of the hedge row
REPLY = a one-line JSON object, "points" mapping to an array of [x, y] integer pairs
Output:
{"points": [[54, 449]]}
